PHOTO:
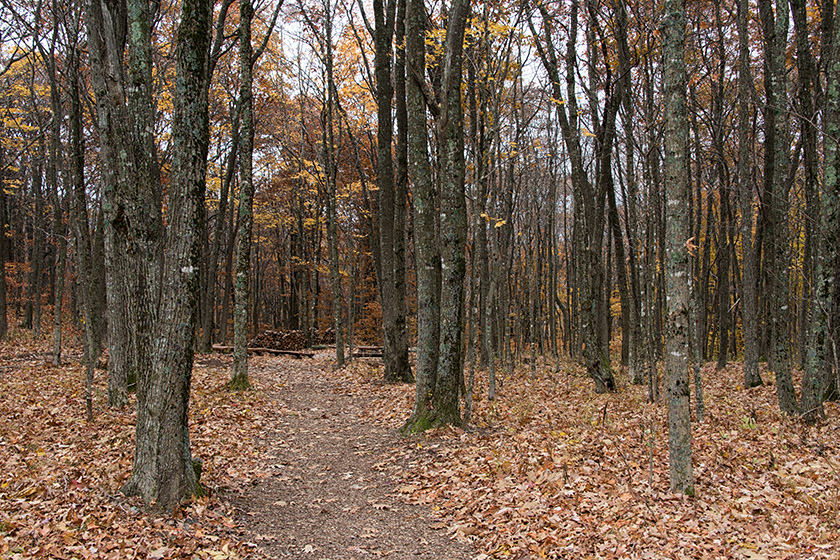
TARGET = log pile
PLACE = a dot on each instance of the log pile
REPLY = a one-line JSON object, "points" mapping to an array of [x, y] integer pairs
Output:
{"points": [[324, 337], [291, 340], [279, 340]]}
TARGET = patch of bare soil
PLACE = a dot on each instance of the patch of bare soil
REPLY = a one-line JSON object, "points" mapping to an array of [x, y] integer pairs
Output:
{"points": [[331, 494]]}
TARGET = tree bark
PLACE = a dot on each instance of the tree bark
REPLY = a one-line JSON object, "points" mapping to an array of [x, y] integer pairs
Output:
{"points": [[55, 163], [395, 347], [4, 326], [775, 28], [239, 377], [427, 257], [821, 365], [331, 165], [677, 262], [749, 282], [163, 299], [453, 221]]}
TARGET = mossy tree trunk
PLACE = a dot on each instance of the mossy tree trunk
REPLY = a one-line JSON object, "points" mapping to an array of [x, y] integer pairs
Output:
{"points": [[163, 299], [427, 262]]}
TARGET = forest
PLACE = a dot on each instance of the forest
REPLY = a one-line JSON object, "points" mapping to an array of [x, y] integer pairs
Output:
{"points": [[484, 214]]}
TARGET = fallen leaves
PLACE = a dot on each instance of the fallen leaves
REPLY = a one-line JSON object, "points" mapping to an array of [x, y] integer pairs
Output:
{"points": [[544, 473], [60, 475]]}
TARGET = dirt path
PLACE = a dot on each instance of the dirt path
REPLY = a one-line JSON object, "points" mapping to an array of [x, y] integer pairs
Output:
{"points": [[331, 496]]}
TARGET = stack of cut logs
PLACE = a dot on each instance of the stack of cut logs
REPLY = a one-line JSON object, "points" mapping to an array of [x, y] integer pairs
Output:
{"points": [[324, 337], [279, 340]]}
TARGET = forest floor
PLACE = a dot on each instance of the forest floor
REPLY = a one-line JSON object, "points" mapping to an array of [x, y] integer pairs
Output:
{"points": [[309, 465]]}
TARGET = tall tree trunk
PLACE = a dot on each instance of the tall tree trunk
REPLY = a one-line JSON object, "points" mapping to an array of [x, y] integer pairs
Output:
{"points": [[55, 163], [775, 29], [724, 247], [4, 326], [208, 324], [402, 367], [164, 471], [391, 206], [749, 282], [821, 366], [239, 377], [117, 384], [162, 299], [453, 221], [677, 262], [425, 245], [331, 165]]}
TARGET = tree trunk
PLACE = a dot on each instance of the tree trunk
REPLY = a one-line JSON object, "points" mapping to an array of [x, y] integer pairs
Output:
{"points": [[332, 206], [775, 29], [4, 326], [163, 299], [55, 163], [677, 262], [208, 325], [749, 282], [390, 232], [239, 377], [821, 365], [425, 244], [453, 222]]}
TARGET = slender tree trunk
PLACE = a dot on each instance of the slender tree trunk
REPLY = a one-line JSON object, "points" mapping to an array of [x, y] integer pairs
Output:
{"points": [[4, 326], [677, 262], [636, 357], [749, 282], [402, 365], [55, 163], [208, 324], [336, 290], [239, 378], [117, 384]]}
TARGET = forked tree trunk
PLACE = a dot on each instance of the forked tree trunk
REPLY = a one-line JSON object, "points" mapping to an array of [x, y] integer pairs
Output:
{"points": [[163, 300]]}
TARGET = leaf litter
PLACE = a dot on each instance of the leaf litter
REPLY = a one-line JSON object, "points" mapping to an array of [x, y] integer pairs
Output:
{"points": [[552, 470], [547, 470]]}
